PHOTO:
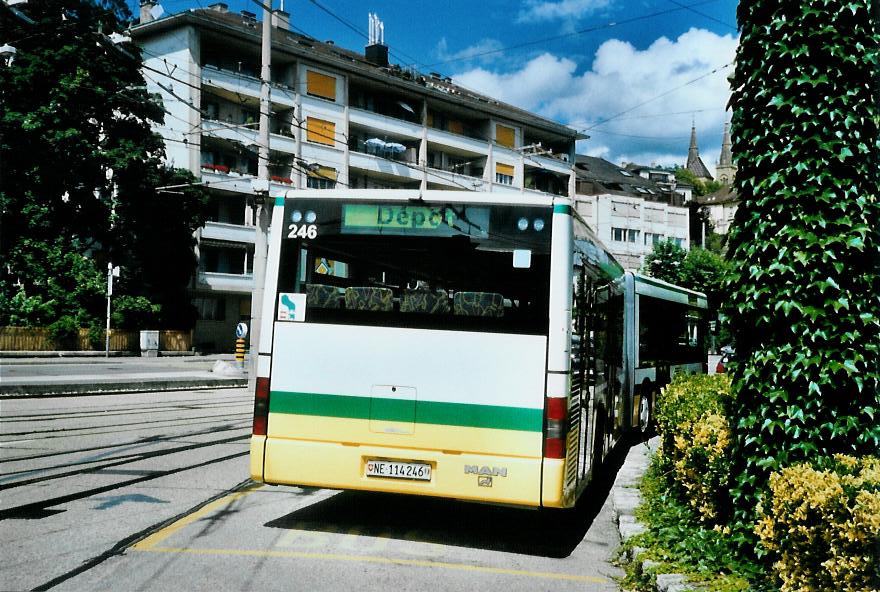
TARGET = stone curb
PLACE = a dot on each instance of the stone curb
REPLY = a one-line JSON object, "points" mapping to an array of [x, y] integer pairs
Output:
{"points": [[625, 498], [49, 390]]}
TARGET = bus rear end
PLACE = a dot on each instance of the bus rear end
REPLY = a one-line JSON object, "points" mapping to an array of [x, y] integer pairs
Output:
{"points": [[407, 350]]}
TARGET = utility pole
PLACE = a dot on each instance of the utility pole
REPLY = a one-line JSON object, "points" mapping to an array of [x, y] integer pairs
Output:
{"points": [[111, 273], [261, 196]]}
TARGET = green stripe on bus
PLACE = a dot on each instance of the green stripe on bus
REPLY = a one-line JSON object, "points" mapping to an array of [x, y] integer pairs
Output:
{"points": [[562, 209], [431, 412], [279, 201]]}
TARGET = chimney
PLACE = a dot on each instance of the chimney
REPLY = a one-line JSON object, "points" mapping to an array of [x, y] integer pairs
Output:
{"points": [[281, 20], [377, 52], [220, 7], [147, 7]]}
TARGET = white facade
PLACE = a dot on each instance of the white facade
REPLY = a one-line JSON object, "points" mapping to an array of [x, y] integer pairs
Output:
{"points": [[630, 226], [336, 120]]}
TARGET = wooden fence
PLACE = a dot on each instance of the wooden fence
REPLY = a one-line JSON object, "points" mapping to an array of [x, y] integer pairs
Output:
{"points": [[37, 339]]}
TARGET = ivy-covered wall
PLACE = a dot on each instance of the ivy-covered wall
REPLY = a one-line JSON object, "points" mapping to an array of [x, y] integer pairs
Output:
{"points": [[805, 247]]}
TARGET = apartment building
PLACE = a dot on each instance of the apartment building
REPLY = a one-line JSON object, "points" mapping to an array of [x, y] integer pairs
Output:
{"points": [[338, 119], [631, 207]]}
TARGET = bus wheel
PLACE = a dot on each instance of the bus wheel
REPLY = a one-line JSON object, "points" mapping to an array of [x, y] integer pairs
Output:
{"points": [[646, 407]]}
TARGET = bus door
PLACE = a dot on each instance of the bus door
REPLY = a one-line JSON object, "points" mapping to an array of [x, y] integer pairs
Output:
{"points": [[579, 445]]}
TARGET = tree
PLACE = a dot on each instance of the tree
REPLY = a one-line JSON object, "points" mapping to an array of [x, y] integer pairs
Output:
{"points": [[665, 262], [80, 164], [805, 248], [701, 187]]}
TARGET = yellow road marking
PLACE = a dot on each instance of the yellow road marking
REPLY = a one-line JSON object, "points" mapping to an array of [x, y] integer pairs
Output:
{"points": [[149, 545], [382, 560], [163, 533]]}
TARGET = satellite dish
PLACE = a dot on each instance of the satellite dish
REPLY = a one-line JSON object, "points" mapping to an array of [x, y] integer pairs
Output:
{"points": [[157, 11]]}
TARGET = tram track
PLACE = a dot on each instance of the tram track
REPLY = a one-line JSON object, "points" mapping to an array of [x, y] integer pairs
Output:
{"points": [[66, 432], [112, 462], [106, 410]]}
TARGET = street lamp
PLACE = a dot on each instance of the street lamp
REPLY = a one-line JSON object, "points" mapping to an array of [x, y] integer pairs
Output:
{"points": [[112, 272], [7, 54]]}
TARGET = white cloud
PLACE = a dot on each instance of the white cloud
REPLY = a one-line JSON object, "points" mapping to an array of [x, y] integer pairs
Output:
{"points": [[476, 51], [670, 79], [540, 10]]}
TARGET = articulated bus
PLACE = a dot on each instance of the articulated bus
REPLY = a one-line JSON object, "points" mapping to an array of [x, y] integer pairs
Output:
{"points": [[475, 346]]}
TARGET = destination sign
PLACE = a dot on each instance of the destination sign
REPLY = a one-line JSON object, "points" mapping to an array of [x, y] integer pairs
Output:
{"points": [[405, 219]]}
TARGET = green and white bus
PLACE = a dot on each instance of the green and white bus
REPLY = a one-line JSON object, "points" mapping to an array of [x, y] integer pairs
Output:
{"points": [[476, 346]]}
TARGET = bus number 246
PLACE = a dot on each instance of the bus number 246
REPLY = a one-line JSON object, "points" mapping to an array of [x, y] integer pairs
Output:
{"points": [[302, 231]]}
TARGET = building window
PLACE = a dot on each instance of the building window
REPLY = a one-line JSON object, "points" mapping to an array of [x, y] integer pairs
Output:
{"points": [[249, 117], [633, 235], [211, 110], [652, 238], [503, 174], [320, 85], [618, 234], [320, 131], [210, 308], [679, 242], [322, 178], [505, 136]]}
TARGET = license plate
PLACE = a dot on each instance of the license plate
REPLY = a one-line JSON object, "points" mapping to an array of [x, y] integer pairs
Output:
{"points": [[398, 470]]}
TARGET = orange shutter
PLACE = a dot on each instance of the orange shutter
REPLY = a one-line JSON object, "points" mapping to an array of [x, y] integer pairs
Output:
{"points": [[320, 131], [504, 169], [504, 135], [455, 126], [320, 85], [323, 172]]}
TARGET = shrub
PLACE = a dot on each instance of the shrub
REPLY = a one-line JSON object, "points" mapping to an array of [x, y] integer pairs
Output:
{"points": [[64, 333], [134, 313], [691, 417], [97, 333], [822, 526]]}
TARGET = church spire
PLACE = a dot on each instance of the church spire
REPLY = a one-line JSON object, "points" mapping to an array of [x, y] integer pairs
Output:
{"points": [[726, 170], [694, 162]]}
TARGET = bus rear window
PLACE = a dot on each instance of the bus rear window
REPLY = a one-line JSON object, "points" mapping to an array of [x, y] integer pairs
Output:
{"points": [[435, 266]]}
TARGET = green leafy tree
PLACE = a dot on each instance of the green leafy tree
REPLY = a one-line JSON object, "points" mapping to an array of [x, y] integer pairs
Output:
{"points": [[80, 168], [805, 249], [665, 262], [700, 186]]}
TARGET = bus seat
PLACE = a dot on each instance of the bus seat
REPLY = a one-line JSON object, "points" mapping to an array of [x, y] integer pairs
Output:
{"points": [[429, 301], [478, 304], [369, 298], [323, 296]]}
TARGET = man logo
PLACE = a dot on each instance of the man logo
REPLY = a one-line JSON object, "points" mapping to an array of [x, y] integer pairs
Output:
{"points": [[485, 471]]}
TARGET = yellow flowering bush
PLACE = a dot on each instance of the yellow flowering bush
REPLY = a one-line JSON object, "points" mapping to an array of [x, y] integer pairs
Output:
{"points": [[691, 415], [822, 526]]}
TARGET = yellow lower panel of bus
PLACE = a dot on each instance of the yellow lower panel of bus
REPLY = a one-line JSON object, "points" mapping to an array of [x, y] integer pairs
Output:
{"points": [[406, 435], [258, 445], [551, 486], [461, 473]]}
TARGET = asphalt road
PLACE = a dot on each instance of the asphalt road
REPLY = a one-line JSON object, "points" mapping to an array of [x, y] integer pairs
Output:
{"points": [[149, 492]]}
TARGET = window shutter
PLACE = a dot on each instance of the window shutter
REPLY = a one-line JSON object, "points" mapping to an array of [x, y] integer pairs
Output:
{"points": [[323, 172], [321, 85], [320, 131], [504, 169], [504, 135]]}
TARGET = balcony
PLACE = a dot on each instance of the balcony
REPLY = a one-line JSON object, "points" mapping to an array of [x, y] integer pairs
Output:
{"points": [[233, 82], [220, 177], [229, 232], [388, 125], [463, 144], [376, 164], [225, 282], [548, 163], [455, 180]]}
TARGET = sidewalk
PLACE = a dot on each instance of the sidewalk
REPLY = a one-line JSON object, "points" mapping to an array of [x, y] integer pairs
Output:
{"points": [[65, 373]]}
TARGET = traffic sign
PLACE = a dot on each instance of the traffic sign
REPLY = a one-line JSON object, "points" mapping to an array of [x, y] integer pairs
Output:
{"points": [[241, 330]]}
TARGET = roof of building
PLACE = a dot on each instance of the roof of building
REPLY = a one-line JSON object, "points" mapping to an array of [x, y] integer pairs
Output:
{"points": [[246, 28], [611, 178], [725, 195]]}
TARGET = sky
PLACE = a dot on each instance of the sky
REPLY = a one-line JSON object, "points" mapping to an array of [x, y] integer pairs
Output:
{"points": [[633, 75]]}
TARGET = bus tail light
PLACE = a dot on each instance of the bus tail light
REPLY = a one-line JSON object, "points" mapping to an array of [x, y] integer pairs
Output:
{"points": [[554, 437], [261, 407]]}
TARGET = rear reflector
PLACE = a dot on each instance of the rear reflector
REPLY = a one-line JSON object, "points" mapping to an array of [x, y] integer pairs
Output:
{"points": [[261, 407], [557, 413]]}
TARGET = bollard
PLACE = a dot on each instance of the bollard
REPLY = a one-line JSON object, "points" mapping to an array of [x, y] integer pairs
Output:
{"points": [[239, 350]]}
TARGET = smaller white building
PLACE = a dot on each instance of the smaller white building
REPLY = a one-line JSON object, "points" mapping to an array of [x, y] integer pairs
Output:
{"points": [[629, 210]]}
